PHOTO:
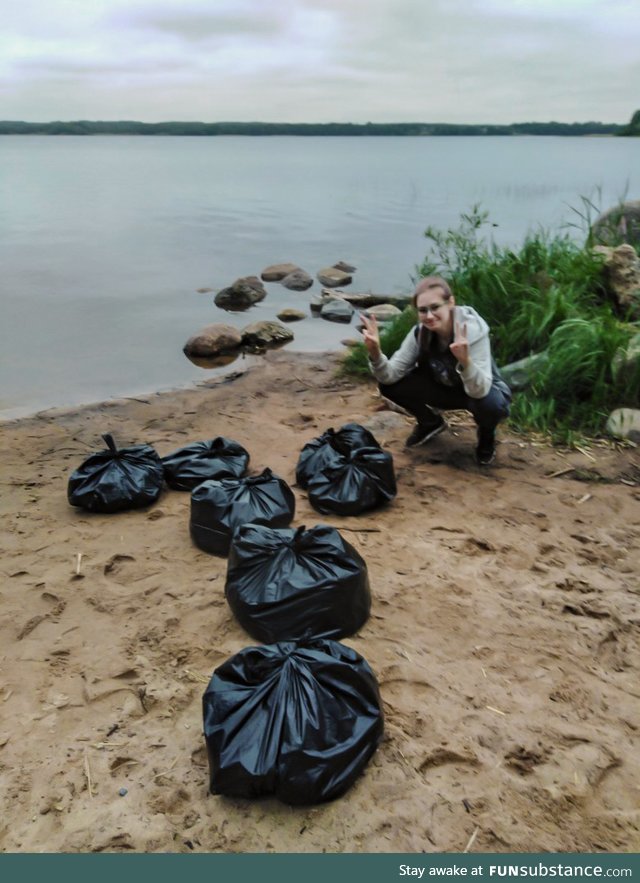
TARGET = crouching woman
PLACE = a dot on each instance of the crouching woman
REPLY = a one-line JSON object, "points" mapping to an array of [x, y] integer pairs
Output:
{"points": [[443, 364]]}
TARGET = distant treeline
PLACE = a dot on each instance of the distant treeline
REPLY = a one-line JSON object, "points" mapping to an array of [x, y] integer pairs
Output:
{"points": [[127, 127]]}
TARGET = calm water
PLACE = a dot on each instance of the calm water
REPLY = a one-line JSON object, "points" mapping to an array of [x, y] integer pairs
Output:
{"points": [[104, 240]]}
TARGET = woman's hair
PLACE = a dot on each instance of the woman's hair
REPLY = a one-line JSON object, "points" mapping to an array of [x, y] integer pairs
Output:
{"points": [[432, 282]]}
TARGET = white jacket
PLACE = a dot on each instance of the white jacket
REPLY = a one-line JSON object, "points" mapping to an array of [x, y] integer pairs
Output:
{"points": [[477, 378]]}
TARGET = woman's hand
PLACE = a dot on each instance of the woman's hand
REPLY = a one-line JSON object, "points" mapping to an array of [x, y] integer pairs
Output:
{"points": [[371, 336], [460, 345]]}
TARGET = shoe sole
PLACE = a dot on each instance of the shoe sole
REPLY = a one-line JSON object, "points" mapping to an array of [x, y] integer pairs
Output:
{"points": [[486, 462], [428, 437]]}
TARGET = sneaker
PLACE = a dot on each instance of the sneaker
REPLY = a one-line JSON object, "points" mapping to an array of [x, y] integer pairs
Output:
{"points": [[486, 449], [422, 433]]}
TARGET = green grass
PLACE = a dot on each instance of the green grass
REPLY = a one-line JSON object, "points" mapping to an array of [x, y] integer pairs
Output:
{"points": [[547, 295]]}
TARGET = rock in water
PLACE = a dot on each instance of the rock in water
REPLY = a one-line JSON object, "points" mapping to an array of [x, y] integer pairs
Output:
{"points": [[298, 280], [266, 334], [213, 340], [241, 295], [332, 277], [337, 311], [277, 272]]}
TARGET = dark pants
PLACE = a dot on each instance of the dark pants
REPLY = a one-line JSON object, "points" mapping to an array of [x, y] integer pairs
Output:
{"points": [[418, 391]]}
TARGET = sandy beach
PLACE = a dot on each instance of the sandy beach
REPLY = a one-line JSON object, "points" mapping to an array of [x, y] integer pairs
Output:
{"points": [[504, 633]]}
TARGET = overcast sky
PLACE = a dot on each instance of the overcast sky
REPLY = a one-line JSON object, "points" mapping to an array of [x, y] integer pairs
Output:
{"points": [[475, 61]]}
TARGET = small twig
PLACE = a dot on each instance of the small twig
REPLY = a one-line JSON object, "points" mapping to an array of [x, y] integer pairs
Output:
{"points": [[233, 416], [497, 710], [584, 499], [561, 472], [78, 563], [472, 840], [357, 529], [196, 676], [164, 773], [87, 771], [586, 453]]}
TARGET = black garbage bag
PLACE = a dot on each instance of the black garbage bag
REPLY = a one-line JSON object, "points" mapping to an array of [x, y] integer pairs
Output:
{"points": [[112, 480], [188, 467], [296, 721], [348, 484], [218, 507], [285, 584], [320, 450]]}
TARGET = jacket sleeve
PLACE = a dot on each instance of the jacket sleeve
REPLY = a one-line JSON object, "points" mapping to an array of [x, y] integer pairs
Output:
{"points": [[477, 377], [388, 371]]}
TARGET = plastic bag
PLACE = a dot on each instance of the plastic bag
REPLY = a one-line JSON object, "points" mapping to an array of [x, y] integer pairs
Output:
{"points": [[348, 484], [218, 507], [188, 467], [298, 722], [316, 453], [286, 584], [113, 480]]}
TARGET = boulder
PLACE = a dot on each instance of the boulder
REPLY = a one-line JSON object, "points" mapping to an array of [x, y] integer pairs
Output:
{"points": [[213, 340], [519, 375], [619, 224], [297, 280], [344, 266], [317, 302], [621, 276], [624, 423], [361, 300], [384, 312], [332, 278], [241, 295], [291, 315], [337, 311], [627, 360], [277, 272], [265, 333]]}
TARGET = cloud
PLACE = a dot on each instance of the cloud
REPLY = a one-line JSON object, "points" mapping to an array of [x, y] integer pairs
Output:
{"points": [[320, 60]]}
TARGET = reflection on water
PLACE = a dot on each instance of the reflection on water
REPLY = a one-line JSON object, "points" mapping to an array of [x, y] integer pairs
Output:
{"points": [[214, 361], [257, 349]]}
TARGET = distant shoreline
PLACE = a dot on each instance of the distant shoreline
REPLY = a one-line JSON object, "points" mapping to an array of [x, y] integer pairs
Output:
{"points": [[198, 129]]}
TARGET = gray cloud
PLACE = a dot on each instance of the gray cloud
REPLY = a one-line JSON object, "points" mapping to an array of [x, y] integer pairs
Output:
{"points": [[197, 24], [320, 60]]}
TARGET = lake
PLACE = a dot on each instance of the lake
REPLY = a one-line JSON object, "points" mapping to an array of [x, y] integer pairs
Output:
{"points": [[105, 240]]}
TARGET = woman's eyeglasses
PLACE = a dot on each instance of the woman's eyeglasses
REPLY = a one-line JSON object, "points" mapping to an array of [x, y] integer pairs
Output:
{"points": [[433, 308]]}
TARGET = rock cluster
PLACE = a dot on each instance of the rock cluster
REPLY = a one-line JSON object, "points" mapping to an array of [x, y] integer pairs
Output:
{"points": [[219, 340]]}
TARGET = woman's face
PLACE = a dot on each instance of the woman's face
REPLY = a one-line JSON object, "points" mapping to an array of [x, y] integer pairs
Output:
{"points": [[435, 312]]}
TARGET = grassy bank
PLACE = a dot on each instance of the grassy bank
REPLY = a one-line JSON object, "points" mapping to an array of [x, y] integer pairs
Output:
{"points": [[546, 296]]}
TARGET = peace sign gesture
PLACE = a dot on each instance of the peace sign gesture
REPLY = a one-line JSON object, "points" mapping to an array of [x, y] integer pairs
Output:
{"points": [[371, 335], [460, 345]]}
